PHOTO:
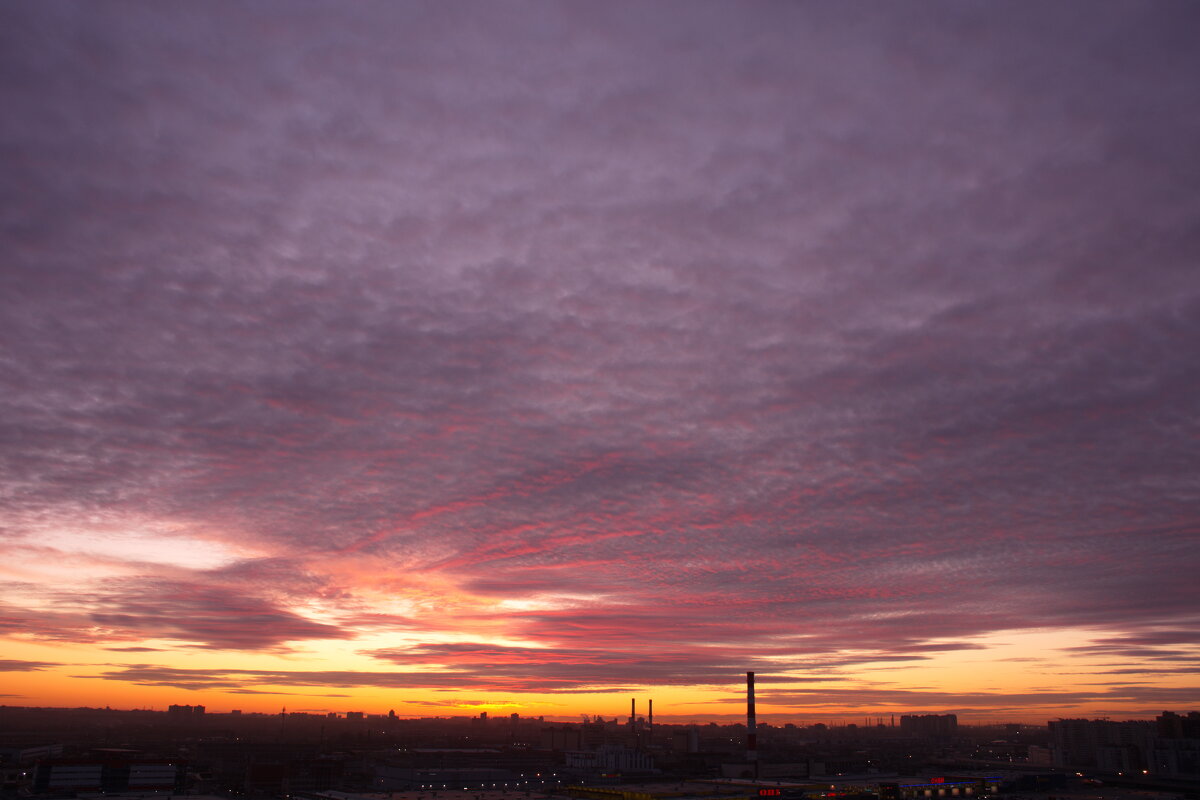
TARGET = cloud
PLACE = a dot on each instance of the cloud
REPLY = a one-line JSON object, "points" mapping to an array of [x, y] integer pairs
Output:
{"points": [[752, 331], [208, 617], [245, 680], [18, 665]]}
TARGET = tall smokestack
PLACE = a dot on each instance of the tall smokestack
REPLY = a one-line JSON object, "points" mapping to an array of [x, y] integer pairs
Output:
{"points": [[650, 724], [751, 724], [632, 711]]}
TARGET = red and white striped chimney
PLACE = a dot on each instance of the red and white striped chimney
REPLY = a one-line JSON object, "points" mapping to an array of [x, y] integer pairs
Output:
{"points": [[751, 724]]}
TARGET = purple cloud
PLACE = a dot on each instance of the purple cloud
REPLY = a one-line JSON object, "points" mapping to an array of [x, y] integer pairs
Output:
{"points": [[19, 665], [771, 330]]}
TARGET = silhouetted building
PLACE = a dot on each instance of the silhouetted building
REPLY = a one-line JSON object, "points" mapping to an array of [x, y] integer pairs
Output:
{"points": [[930, 726], [609, 760], [176, 711], [72, 775], [1102, 745], [561, 738], [23, 754], [686, 741], [1170, 725], [1176, 751]]}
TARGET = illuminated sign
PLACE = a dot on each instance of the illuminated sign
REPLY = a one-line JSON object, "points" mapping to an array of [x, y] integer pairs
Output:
{"points": [[770, 792], [937, 780]]}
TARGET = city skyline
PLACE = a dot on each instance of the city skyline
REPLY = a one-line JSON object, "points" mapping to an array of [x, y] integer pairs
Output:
{"points": [[526, 357]]}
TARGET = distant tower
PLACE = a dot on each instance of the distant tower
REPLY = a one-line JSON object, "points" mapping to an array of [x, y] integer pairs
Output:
{"points": [[751, 724], [650, 724]]}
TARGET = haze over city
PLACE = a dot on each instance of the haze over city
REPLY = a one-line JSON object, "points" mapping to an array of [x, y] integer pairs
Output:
{"points": [[522, 357]]}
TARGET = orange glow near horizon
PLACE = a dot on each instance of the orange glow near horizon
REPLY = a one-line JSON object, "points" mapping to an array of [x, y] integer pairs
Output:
{"points": [[973, 683], [419, 638], [421, 643]]}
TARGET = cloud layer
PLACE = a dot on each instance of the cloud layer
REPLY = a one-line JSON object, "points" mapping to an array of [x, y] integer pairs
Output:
{"points": [[577, 348]]}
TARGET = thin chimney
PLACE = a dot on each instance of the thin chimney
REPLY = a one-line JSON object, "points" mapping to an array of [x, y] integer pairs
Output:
{"points": [[751, 724]]}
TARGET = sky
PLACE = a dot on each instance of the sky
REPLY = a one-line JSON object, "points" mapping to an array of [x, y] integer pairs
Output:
{"points": [[529, 357]]}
